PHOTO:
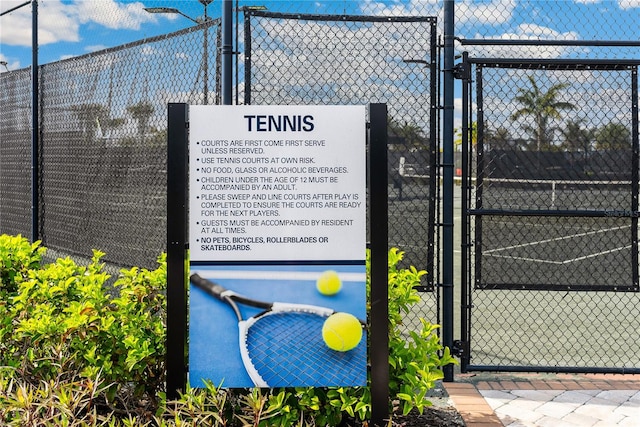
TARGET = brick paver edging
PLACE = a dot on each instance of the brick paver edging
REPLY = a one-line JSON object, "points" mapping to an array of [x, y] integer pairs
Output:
{"points": [[476, 412], [564, 382]]}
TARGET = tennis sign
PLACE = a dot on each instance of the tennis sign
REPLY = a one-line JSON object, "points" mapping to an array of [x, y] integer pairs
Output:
{"points": [[277, 183], [277, 238]]}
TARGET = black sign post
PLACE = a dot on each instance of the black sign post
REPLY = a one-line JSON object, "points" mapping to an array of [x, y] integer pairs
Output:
{"points": [[177, 226], [177, 179], [379, 315]]}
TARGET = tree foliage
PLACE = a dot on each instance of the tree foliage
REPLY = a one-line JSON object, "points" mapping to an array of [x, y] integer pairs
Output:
{"points": [[541, 106], [409, 134], [577, 137], [613, 136], [141, 112]]}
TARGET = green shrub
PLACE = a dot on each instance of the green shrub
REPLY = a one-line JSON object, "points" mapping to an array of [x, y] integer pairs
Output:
{"points": [[51, 403], [17, 257], [414, 361], [73, 352], [64, 324]]}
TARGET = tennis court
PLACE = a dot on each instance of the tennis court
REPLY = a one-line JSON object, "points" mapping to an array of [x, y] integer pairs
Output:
{"points": [[553, 275], [556, 253], [552, 330], [554, 234]]}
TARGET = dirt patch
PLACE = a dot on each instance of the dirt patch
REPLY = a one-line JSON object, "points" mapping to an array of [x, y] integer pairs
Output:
{"points": [[437, 416]]}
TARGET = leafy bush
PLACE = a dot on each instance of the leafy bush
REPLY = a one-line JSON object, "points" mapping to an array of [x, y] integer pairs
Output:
{"points": [[414, 364], [63, 324], [74, 354], [50, 403], [17, 256]]}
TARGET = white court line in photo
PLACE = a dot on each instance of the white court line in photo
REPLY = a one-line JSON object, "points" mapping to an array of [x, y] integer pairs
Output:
{"points": [[568, 261], [492, 252], [274, 275]]}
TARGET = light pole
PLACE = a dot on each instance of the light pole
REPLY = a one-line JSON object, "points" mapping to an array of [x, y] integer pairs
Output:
{"points": [[205, 44], [35, 118], [205, 48]]}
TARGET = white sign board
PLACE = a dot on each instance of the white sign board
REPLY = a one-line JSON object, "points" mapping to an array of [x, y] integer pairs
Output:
{"points": [[277, 183], [277, 211]]}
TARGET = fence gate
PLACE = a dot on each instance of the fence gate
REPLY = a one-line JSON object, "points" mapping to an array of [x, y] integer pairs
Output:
{"points": [[550, 216], [302, 59]]}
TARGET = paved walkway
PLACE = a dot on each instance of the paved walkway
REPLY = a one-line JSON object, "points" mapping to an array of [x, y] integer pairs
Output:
{"points": [[547, 400]]}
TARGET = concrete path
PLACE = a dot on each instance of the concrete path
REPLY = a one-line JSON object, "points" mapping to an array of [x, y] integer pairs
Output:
{"points": [[547, 400]]}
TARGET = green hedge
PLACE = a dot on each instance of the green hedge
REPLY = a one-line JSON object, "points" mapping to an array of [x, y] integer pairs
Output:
{"points": [[73, 354]]}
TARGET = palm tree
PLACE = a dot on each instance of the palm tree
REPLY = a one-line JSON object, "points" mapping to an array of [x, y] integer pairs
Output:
{"points": [[542, 106], [577, 138], [474, 135], [498, 139], [89, 117], [410, 134]]}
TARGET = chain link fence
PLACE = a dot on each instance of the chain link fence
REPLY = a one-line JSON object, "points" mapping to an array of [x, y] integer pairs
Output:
{"points": [[549, 29], [15, 152], [112, 102], [321, 59], [103, 123], [547, 148], [103, 131], [103, 143]]}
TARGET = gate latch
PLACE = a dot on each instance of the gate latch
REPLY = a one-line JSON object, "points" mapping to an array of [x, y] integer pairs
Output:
{"points": [[458, 349], [461, 71]]}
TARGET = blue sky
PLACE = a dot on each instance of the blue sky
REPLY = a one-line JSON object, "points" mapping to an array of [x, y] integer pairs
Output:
{"points": [[76, 27]]}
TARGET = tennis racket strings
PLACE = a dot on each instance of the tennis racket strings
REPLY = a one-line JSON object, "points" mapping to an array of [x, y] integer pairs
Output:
{"points": [[286, 349]]}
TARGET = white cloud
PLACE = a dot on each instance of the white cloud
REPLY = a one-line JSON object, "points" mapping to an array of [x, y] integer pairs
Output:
{"points": [[398, 8], [457, 114], [59, 21], [527, 32], [111, 14], [628, 4], [94, 48], [623, 4], [54, 24], [148, 51], [534, 31], [493, 13]]}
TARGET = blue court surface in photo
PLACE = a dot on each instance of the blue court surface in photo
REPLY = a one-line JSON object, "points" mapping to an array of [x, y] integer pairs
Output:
{"points": [[214, 351]]}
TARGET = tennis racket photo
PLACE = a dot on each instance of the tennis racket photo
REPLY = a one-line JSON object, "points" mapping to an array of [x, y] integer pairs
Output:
{"points": [[282, 345]]}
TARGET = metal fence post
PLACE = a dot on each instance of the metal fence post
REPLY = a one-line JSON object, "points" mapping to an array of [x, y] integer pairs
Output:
{"points": [[227, 51], [447, 183], [177, 178], [35, 127]]}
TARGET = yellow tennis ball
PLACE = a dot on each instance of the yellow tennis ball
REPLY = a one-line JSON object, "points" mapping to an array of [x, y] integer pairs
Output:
{"points": [[342, 332], [329, 283]]}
